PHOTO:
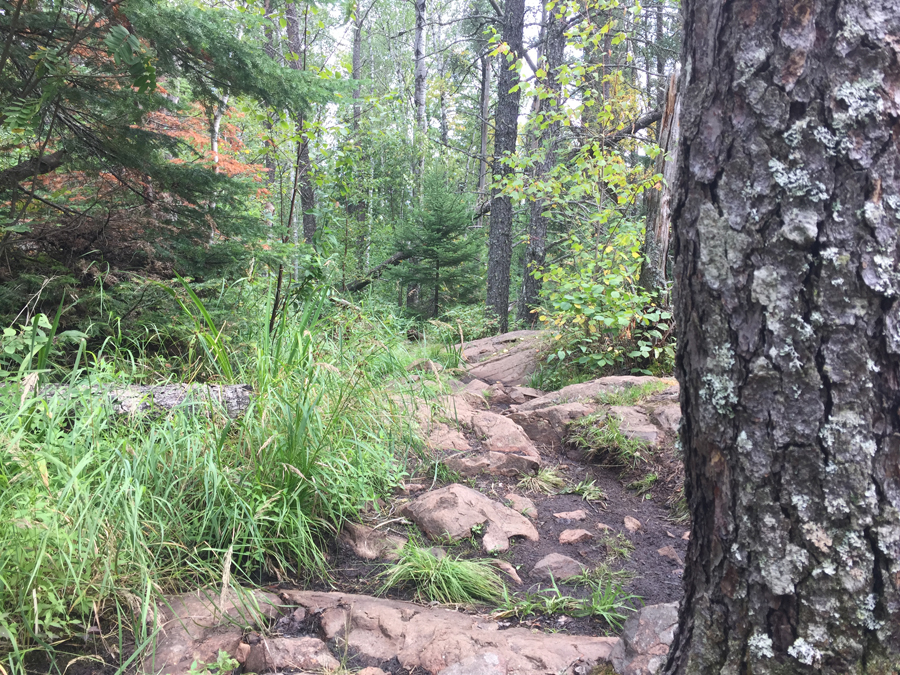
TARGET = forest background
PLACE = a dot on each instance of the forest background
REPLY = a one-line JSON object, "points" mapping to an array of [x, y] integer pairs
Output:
{"points": [[283, 195]]}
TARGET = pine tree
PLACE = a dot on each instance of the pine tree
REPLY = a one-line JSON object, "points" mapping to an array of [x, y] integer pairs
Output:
{"points": [[439, 242]]}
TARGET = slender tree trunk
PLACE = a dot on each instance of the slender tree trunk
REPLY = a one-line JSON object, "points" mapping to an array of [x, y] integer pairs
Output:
{"points": [[505, 134], [485, 107], [215, 126], [356, 73], [419, 91], [437, 286], [786, 231], [659, 202], [297, 44], [535, 252]]}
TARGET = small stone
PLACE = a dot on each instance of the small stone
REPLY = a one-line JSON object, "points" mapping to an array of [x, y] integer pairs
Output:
{"points": [[580, 514], [574, 536], [438, 552], [686, 536], [603, 526], [371, 670], [670, 535], [557, 566], [670, 553], [242, 652], [412, 488], [632, 524], [509, 571], [522, 504]]}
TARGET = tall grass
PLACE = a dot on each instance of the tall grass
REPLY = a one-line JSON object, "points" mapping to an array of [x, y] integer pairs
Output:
{"points": [[101, 514]]}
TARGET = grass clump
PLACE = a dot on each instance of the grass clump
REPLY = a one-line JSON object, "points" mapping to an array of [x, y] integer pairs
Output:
{"points": [[599, 435], [607, 602], [446, 580], [546, 480], [631, 395], [644, 484], [617, 546], [589, 491]]}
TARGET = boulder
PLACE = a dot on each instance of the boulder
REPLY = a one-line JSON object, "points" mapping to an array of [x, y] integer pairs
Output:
{"points": [[509, 358], [377, 631], [634, 423], [557, 566], [668, 417], [454, 510], [587, 391], [196, 626], [304, 653], [645, 641], [371, 544], [501, 434], [547, 426], [497, 395]]}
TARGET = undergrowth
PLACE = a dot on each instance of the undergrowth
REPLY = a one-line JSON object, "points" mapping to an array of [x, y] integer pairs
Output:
{"points": [[100, 514]]}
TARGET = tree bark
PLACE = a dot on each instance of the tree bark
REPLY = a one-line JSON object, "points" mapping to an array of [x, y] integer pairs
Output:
{"points": [[419, 90], [659, 209], [505, 135], [535, 252], [786, 230], [484, 106]]}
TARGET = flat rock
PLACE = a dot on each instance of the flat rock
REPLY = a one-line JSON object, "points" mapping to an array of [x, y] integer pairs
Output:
{"points": [[557, 566], [634, 423], [454, 510], [547, 426], [509, 358], [574, 536], [501, 434], [304, 653], [587, 391], [497, 395], [435, 639], [522, 504], [579, 514], [442, 437], [670, 553], [632, 524], [646, 638], [371, 544], [480, 664], [494, 463], [521, 394], [196, 626]]}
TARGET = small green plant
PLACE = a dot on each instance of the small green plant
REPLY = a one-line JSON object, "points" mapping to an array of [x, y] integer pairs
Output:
{"points": [[599, 434], [223, 664], [588, 490], [643, 485], [617, 546], [602, 574], [446, 580], [679, 512], [546, 480]]}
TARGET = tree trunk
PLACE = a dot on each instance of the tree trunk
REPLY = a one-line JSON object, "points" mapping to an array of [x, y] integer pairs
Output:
{"points": [[786, 230], [505, 134], [297, 45], [419, 90], [356, 73], [659, 202], [535, 252], [485, 106]]}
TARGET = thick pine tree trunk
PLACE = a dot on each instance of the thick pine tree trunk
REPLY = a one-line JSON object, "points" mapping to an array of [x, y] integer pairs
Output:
{"points": [[535, 252], [484, 105], [787, 221], [505, 134]]}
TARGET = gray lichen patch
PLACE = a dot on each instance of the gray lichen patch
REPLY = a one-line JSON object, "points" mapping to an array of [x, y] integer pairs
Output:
{"points": [[718, 386]]}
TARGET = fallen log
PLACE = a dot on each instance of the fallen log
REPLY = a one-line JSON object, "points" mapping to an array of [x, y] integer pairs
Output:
{"points": [[190, 399]]}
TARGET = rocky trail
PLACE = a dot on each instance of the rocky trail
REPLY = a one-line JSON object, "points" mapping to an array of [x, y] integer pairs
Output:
{"points": [[509, 480]]}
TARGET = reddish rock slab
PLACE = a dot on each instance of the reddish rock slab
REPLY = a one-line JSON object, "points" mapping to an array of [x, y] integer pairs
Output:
{"points": [[645, 642], [304, 653], [579, 514], [522, 504], [494, 463], [547, 426], [587, 391], [442, 437], [634, 423], [557, 566], [436, 639], [509, 359], [574, 536]]}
